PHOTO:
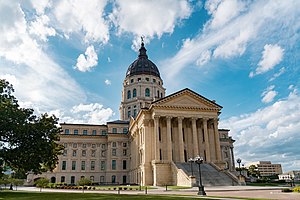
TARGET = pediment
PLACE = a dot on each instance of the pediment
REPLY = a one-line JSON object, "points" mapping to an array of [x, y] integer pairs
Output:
{"points": [[187, 99]]}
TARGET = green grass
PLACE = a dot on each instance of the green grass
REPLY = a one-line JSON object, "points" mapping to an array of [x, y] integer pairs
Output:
{"points": [[15, 195], [174, 187], [128, 187]]}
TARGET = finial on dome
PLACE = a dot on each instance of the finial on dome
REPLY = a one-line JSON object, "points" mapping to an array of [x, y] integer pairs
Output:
{"points": [[142, 39], [143, 50]]}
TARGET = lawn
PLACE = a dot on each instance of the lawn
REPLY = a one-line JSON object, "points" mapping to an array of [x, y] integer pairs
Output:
{"points": [[15, 195]]}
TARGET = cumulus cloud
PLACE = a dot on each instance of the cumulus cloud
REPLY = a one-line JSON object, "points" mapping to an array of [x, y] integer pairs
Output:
{"points": [[87, 61], [273, 129], [134, 16], [107, 82], [271, 56], [269, 94]]}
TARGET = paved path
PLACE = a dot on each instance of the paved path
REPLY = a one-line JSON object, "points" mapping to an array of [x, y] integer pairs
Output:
{"points": [[224, 191]]}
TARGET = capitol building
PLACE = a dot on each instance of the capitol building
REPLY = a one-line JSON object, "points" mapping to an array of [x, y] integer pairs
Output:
{"points": [[152, 142]]}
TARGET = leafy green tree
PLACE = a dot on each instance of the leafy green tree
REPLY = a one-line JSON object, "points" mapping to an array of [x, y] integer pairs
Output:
{"points": [[4, 180], [41, 183], [17, 182], [84, 181], [27, 142], [252, 171]]}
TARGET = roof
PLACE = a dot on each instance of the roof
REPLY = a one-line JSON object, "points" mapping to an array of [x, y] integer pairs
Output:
{"points": [[71, 124], [118, 122], [142, 65]]}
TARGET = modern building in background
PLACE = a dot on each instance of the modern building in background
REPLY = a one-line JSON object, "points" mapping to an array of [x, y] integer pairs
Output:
{"points": [[266, 168], [152, 142], [290, 176]]}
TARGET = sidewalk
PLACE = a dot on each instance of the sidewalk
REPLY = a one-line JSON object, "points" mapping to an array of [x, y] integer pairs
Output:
{"points": [[224, 192]]}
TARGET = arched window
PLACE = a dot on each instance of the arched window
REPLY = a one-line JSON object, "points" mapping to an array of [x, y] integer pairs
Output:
{"points": [[134, 93], [147, 92], [128, 94]]}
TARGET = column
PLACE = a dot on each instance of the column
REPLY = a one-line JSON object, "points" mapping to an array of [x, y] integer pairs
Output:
{"points": [[156, 138], [195, 138], [207, 147], [232, 166], [169, 140], [181, 144], [217, 140]]}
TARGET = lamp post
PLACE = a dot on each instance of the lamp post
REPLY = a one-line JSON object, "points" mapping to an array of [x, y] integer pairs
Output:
{"points": [[239, 162], [191, 160], [199, 161]]}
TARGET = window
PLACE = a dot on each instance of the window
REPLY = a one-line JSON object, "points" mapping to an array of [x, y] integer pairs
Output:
{"points": [[94, 132], [157, 93], [124, 144], [84, 132], [103, 153], [103, 146], [114, 144], [93, 154], [159, 134], [62, 179], [134, 93], [124, 152], [128, 94], [114, 130], [124, 164], [147, 79], [124, 179], [67, 131], [113, 164], [93, 146], [139, 79], [64, 165], [66, 145], [154, 80], [82, 165], [147, 92], [74, 145], [131, 81], [114, 152], [83, 153], [92, 165], [125, 130], [73, 165], [75, 132], [103, 132], [102, 179], [102, 165], [65, 153], [113, 179], [74, 153], [134, 113], [72, 179], [91, 178], [128, 113], [83, 145]]}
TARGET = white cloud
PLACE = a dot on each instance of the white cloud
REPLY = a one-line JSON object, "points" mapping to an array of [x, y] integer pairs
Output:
{"points": [[41, 5], [78, 16], [204, 58], [40, 28], [148, 19], [276, 75], [274, 128], [254, 22], [87, 61], [269, 94], [271, 56], [107, 82]]}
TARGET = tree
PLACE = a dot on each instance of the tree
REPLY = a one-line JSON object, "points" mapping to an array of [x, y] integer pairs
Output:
{"points": [[84, 181], [252, 171], [27, 142], [4, 180], [16, 182], [41, 183]]}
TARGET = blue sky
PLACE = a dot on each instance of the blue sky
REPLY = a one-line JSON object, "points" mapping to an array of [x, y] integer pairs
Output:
{"points": [[69, 58]]}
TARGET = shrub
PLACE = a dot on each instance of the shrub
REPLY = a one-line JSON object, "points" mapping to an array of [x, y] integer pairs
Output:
{"points": [[286, 190], [296, 189]]}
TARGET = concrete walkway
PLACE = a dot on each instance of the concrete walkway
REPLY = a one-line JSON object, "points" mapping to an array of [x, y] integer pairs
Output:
{"points": [[223, 192]]}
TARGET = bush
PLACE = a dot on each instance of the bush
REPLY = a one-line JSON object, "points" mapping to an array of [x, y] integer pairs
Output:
{"points": [[296, 189], [286, 190]]}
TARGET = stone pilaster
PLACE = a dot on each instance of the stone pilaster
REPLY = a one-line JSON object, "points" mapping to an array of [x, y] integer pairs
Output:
{"points": [[217, 140], [169, 140], [195, 138], [206, 138], [156, 138], [180, 137]]}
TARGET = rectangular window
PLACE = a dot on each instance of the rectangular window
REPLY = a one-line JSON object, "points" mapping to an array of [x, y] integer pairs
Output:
{"points": [[92, 178], [92, 165], [114, 144], [94, 132], [65, 153], [103, 146], [113, 164], [73, 165], [62, 179], [66, 145], [82, 165], [124, 164], [124, 152], [134, 113], [102, 179], [93, 154], [93, 146], [64, 165], [103, 153], [147, 79], [103, 132], [74, 145], [74, 153], [154, 80], [125, 130], [83, 153], [84, 132], [159, 134], [114, 152], [102, 166], [75, 132], [72, 179], [128, 113], [114, 130], [67, 131], [84, 146], [124, 144]]}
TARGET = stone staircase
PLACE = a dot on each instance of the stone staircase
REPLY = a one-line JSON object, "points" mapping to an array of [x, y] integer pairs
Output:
{"points": [[210, 175]]}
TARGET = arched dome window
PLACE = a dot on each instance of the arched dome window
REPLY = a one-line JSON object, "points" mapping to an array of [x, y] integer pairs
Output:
{"points": [[134, 93], [128, 94], [147, 92]]}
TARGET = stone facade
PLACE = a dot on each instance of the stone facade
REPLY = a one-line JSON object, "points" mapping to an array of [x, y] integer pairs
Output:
{"points": [[154, 134]]}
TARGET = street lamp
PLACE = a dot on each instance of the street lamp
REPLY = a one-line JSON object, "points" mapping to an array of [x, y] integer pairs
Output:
{"points": [[199, 161], [191, 160], [239, 162]]}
